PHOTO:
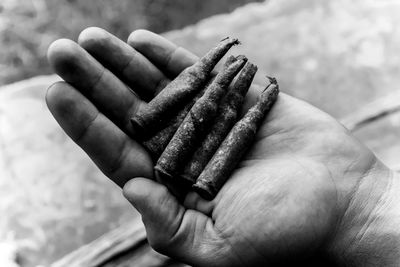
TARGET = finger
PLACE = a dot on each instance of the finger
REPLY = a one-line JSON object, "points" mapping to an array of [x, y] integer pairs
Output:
{"points": [[172, 59], [166, 55], [117, 155], [124, 61], [98, 84], [195, 202], [186, 235]]}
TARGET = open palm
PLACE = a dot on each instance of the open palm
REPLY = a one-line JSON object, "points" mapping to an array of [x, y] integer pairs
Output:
{"points": [[287, 199]]}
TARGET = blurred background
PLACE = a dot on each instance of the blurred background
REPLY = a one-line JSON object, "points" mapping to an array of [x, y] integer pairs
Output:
{"points": [[27, 27], [340, 55]]}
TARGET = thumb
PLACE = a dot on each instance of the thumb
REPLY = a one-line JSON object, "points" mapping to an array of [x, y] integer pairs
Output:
{"points": [[183, 234]]}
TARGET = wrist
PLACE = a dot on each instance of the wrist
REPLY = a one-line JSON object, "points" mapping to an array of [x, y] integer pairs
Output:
{"points": [[369, 232]]}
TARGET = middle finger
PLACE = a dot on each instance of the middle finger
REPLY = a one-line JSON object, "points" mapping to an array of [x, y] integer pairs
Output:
{"points": [[124, 61], [108, 93]]}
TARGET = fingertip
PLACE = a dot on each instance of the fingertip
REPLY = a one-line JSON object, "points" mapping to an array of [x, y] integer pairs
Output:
{"points": [[140, 187], [70, 108], [52, 93], [74, 64], [61, 53], [196, 202], [130, 189], [143, 192], [163, 53], [136, 34], [141, 37], [61, 96], [147, 43], [91, 37]]}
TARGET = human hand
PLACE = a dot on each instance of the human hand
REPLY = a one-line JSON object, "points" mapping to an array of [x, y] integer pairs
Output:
{"points": [[307, 187]]}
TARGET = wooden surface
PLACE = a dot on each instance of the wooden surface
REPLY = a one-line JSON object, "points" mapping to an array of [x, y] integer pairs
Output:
{"points": [[378, 109], [124, 246]]}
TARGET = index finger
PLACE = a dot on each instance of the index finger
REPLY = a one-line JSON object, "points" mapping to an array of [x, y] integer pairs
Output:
{"points": [[166, 55]]}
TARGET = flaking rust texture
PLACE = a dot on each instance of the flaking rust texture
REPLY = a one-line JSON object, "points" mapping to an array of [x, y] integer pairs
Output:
{"points": [[228, 112], [157, 143], [235, 145], [153, 116], [197, 122]]}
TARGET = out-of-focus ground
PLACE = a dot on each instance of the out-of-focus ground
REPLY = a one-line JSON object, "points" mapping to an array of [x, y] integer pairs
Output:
{"points": [[339, 55], [27, 27]]}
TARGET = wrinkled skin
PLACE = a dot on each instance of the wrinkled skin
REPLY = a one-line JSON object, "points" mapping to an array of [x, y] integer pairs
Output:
{"points": [[301, 196]]}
